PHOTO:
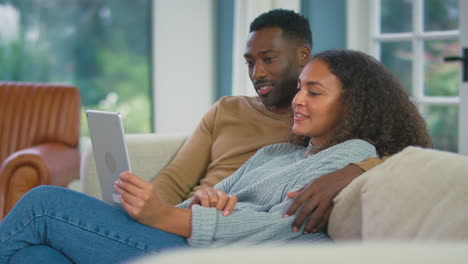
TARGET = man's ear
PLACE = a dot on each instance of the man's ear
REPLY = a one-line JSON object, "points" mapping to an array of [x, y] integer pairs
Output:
{"points": [[303, 55]]}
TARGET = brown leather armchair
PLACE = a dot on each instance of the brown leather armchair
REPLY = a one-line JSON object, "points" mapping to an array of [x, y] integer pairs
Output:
{"points": [[39, 134]]}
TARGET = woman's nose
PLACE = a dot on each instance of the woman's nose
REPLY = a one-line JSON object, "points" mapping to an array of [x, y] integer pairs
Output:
{"points": [[298, 99]]}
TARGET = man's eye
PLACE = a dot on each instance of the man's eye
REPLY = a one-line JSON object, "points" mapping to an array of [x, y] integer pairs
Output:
{"points": [[269, 59], [313, 93], [298, 89], [249, 63]]}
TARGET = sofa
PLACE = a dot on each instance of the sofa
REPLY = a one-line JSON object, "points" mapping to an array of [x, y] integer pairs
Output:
{"points": [[418, 195]]}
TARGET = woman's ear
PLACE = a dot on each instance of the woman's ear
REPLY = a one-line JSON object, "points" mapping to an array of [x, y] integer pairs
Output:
{"points": [[303, 55]]}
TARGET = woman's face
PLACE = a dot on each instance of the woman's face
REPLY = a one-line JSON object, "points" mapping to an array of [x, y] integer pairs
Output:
{"points": [[317, 106]]}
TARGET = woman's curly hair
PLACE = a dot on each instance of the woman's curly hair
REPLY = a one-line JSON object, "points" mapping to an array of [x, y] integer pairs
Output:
{"points": [[378, 109]]}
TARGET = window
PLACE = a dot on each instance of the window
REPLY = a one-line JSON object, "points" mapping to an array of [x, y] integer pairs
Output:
{"points": [[412, 37], [103, 47]]}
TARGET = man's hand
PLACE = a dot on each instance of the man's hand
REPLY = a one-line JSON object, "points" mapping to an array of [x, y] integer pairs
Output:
{"points": [[317, 197], [214, 198]]}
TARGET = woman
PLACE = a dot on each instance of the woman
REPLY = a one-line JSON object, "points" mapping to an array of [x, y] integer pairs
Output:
{"points": [[348, 108]]}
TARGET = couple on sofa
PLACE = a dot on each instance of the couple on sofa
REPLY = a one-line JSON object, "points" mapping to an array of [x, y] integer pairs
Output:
{"points": [[345, 107]]}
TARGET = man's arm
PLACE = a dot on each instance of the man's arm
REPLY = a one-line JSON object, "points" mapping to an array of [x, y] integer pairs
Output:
{"points": [[189, 164], [316, 198]]}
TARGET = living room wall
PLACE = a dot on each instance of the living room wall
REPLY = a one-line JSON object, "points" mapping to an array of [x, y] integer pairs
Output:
{"points": [[183, 63]]}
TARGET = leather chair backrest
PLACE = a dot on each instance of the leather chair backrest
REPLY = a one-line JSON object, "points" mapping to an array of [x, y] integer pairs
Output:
{"points": [[36, 113]]}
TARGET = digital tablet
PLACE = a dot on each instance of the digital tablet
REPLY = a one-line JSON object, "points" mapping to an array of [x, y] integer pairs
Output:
{"points": [[109, 149]]}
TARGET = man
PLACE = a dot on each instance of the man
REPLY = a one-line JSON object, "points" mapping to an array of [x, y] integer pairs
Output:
{"points": [[279, 46]]}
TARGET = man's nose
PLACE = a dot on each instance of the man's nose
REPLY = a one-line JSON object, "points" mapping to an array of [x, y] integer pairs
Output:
{"points": [[258, 72]]}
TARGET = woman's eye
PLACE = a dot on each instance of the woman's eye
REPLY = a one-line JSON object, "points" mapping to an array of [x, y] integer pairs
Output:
{"points": [[313, 93]]}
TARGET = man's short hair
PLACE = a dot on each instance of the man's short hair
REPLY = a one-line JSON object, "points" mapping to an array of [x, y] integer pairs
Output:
{"points": [[294, 25]]}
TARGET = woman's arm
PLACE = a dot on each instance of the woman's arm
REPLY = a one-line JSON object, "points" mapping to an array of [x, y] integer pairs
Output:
{"points": [[141, 200], [226, 184], [248, 225]]}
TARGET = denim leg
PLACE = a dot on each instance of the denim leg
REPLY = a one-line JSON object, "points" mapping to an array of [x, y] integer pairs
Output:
{"points": [[39, 254], [82, 228]]}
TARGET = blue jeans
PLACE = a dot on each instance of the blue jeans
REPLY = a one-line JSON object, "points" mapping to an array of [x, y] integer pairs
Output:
{"points": [[77, 227]]}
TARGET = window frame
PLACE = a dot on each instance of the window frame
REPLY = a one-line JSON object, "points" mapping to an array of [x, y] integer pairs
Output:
{"points": [[417, 38]]}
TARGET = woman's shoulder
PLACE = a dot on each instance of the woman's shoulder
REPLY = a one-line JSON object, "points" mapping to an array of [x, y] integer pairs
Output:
{"points": [[351, 144], [355, 142], [354, 147], [279, 148]]}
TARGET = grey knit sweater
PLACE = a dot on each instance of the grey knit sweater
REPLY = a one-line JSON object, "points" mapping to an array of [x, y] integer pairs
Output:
{"points": [[261, 186]]}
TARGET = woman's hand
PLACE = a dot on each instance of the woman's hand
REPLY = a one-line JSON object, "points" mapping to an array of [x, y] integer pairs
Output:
{"points": [[140, 200], [215, 198]]}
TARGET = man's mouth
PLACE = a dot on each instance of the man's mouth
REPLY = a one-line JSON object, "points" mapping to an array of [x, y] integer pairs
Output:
{"points": [[264, 89]]}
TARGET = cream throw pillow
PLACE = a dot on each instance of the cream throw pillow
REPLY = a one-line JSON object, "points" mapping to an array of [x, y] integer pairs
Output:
{"points": [[416, 194], [346, 217]]}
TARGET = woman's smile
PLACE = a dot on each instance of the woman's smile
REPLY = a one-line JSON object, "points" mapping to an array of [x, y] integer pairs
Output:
{"points": [[300, 117]]}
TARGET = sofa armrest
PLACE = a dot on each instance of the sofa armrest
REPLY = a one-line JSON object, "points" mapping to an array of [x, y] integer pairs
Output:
{"points": [[148, 153], [51, 163]]}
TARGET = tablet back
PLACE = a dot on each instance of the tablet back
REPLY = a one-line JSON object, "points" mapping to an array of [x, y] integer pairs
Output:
{"points": [[109, 149]]}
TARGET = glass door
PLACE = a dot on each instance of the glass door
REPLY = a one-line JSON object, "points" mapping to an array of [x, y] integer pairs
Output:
{"points": [[463, 120]]}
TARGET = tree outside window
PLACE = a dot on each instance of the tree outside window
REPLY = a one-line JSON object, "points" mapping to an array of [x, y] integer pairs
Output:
{"points": [[101, 46]]}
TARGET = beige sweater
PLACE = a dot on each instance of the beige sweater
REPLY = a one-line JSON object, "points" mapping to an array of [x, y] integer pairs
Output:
{"points": [[228, 135]]}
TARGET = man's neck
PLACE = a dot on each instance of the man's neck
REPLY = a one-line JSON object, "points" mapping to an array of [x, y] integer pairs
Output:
{"points": [[280, 110]]}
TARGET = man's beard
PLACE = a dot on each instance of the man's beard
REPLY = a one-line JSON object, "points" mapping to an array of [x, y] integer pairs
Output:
{"points": [[286, 93]]}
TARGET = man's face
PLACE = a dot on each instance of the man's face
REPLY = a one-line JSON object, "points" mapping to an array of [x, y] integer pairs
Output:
{"points": [[273, 66]]}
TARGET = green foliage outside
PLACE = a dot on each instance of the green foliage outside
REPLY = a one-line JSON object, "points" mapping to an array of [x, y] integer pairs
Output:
{"points": [[441, 78], [101, 46]]}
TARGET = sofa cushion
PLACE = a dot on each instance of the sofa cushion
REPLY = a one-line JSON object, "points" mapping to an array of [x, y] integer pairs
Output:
{"points": [[416, 194]]}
